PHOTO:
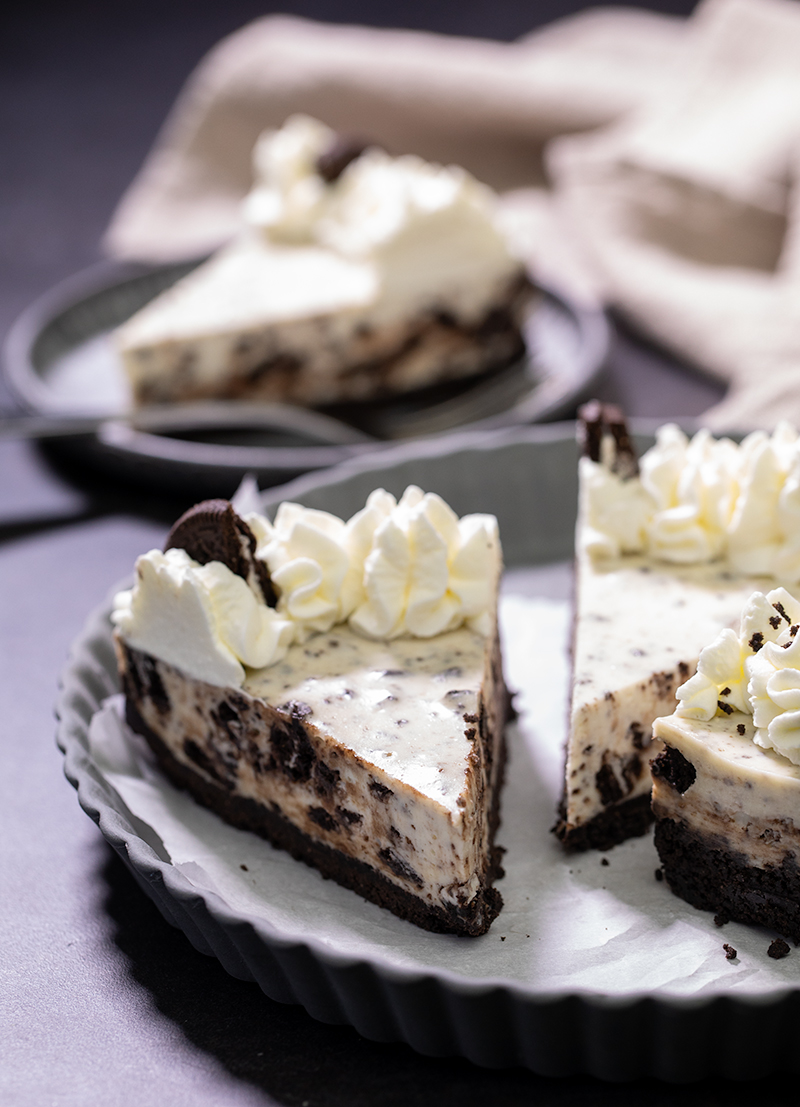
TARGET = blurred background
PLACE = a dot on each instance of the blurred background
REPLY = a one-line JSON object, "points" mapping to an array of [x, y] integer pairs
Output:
{"points": [[85, 86]]}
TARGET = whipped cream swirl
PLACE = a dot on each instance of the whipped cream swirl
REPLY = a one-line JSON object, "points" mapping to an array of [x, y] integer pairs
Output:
{"points": [[204, 619], [316, 560], [702, 499], [429, 230], [411, 567], [429, 572], [756, 672]]}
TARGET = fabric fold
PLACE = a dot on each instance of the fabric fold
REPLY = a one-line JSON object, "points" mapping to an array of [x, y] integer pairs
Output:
{"points": [[647, 162]]}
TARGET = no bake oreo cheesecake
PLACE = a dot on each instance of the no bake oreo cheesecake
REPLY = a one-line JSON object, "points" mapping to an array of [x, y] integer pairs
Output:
{"points": [[726, 788], [335, 687], [356, 275], [667, 551]]}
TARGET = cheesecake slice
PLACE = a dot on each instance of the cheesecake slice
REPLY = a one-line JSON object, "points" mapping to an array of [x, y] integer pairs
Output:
{"points": [[726, 787], [358, 729], [355, 276], [666, 555]]}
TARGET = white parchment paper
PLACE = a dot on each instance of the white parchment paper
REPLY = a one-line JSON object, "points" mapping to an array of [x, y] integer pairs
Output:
{"points": [[570, 923]]}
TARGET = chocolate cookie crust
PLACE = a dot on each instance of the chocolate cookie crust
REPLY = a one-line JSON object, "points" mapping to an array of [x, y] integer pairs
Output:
{"points": [[630, 819], [704, 871]]}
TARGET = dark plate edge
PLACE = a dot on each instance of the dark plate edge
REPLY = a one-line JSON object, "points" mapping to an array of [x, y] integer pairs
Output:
{"points": [[591, 323]]}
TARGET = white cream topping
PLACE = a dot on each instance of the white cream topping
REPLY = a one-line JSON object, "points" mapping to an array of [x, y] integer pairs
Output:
{"points": [[615, 511], [289, 194], [204, 619], [702, 499], [316, 560], [427, 231], [408, 568], [429, 572], [756, 672]]}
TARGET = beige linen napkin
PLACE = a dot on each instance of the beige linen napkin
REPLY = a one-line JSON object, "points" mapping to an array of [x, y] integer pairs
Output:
{"points": [[676, 205], [686, 206], [488, 106]]}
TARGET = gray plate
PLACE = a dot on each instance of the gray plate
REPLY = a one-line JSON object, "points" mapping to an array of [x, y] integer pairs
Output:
{"points": [[60, 361], [527, 477]]}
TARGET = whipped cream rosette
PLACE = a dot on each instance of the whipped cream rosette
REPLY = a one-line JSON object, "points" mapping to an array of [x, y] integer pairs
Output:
{"points": [[408, 568], [756, 672], [316, 560], [428, 572], [699, 500], [202, 618]]}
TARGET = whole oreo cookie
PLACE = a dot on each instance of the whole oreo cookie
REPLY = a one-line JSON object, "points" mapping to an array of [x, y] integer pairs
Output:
{"points": [[212, 531]]}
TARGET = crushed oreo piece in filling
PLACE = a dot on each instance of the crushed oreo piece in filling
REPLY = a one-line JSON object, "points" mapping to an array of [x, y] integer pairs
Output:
{"points": [[675, 769]]}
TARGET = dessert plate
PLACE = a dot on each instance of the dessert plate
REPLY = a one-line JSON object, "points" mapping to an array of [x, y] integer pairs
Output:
{"points": [[590, 968], [60, 361]]}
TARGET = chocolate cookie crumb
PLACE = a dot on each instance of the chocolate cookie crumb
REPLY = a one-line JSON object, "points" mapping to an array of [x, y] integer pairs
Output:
{"points": [[675, 769], [730, 952], [740, 727], [778, 949], [244, 868], [720, 920], [604, 861], [659, 875]]}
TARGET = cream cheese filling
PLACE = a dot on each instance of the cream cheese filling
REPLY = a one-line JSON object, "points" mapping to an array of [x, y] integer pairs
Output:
{"points": [[399, 705], [639, 628], [747, 797]]}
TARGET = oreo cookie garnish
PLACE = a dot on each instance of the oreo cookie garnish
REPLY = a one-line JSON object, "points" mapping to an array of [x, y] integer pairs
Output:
{"points": [[332, 162], [590, 429], [212, 531], [597, 420]]}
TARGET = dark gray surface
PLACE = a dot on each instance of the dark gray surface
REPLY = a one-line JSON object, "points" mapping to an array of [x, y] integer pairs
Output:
{"points": [[102, 1002]]}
